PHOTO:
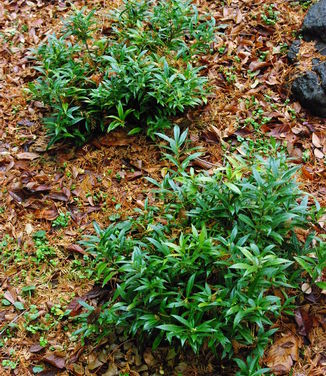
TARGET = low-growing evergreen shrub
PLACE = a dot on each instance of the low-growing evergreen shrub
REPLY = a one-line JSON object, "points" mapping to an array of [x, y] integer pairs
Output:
{"points": [[209, 261], [144, 71]]}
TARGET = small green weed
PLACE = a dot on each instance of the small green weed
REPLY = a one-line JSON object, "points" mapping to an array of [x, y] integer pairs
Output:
{"points": [[229, 74], [303, 3], [10, 252], [306, 155], [262, 146], [62, 220], [6, 363], [28, 290], [31, 325], [36, 322], [43, 250], [37, 369], [256, 118], [270, 16]]}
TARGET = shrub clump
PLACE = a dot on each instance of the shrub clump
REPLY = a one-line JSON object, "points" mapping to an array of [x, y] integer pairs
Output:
{"points": [[208, 262], [144, 69]]}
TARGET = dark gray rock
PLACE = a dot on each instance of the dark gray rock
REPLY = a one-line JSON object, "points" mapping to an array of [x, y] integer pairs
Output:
{"points": [[321, 47], [307, 89], [294, 50], [320, 69], [314, 24], [310, 88]]}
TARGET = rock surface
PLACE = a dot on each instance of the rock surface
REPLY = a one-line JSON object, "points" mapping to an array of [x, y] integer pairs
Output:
{"points": [[314, 24], [320, 69], [294, 50], [321, 47], [310, 89]]}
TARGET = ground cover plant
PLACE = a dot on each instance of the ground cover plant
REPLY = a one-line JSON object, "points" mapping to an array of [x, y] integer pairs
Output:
{"points": [[211, 261], [50, 197], [143, 71]]}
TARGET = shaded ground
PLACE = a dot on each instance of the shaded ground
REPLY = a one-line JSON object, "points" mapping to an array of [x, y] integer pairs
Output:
{"points": [[248, 71]]}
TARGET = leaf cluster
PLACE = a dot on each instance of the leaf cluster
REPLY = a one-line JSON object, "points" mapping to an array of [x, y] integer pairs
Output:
{"points": [[211, 262], [144, 71]]}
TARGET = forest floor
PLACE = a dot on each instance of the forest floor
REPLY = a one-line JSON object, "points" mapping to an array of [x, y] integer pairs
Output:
{"points": [[250, 73]]}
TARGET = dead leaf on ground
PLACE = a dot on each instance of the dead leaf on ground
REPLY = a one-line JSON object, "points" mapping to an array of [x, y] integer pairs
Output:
{"points": [[48, 214], [203, 164], [25, 123], [306, 288], [27, 155], [118, 138], [112, 370], [93, 362], [316, 141], [318, 154], [76, 248], [3, 316], [256, 65], [55, 361], [283, 353], [36, 348], [96, 292], [134, 175], [306, 173], [304, 320], [75, 307], [58, 196], [9, 296], [149, 358]]}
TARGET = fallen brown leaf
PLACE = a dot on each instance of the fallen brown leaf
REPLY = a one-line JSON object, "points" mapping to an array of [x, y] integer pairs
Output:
{"points": [[36, 348], [134, 175], [3, 316], [318, 154], [27, 155], [282, 354], [316, 141], [48, 214], [306, 173], [303, 320], [58, 196], [149, 358], [55, 361], [76, 248], [7, 295], [74, 306], [256, 65], [112, 370]]}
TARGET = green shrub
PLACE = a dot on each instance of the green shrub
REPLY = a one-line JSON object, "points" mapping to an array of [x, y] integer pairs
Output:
{"points": [[144, 71], [202, 265]]}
